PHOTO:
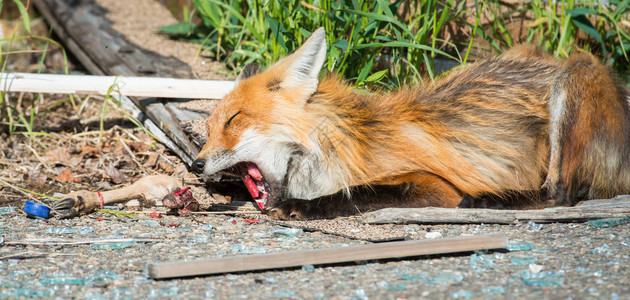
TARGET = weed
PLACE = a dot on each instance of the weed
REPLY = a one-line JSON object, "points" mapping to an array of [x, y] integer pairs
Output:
{"points": [[389, 43], [562, 27], [368, 42]]}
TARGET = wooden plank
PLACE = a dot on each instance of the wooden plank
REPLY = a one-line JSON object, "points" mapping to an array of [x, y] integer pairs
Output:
{"points": [[127, 86], [85, 31], [619, 201], [325, 256], [433, 215]]}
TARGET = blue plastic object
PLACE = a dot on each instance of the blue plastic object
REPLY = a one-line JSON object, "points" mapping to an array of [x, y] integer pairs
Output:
{"points": [[36, 210]]}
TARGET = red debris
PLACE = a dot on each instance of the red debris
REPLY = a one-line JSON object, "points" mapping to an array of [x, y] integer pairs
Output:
{"points": [[234, 221], [251, 221], [173, 224], [181, 199], [155, 214]]}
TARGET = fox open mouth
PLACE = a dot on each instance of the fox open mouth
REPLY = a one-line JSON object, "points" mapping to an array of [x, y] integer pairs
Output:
{"points": [[253, 180]]}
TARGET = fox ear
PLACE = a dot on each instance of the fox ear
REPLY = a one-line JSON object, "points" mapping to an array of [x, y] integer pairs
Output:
{"points": [[249, 70], [303, 66]]}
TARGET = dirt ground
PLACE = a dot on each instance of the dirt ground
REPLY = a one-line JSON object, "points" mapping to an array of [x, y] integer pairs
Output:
{"points": [[84, 143]]}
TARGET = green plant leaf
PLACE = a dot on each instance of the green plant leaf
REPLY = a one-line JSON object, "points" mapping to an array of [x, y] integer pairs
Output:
{"points": [[377, 76], [404, 44], [179, 29], [24, 14], [364, 71], [341, 44], [383, 18], [208, 12], [277, 30], [578, 16]]}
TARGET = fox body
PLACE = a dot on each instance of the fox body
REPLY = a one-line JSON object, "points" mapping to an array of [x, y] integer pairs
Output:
{"points": [[521, 129]]}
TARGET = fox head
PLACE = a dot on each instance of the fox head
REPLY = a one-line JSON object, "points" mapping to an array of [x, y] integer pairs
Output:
{"points": [[261, 129]]}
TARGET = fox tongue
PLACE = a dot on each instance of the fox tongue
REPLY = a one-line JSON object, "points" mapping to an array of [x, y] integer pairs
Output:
{"points": [[252, 178], [252, 170], [251, 186]]}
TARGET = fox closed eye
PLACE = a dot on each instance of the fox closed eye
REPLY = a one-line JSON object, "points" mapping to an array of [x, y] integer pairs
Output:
{"points": [[230, 120]]}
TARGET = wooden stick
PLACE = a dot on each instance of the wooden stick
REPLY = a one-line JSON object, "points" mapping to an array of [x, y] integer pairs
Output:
{"points": [[599, 209], [325, 256], [127, 86]]}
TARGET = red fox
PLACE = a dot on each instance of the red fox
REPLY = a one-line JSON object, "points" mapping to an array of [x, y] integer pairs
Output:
{"points": [[519, 130]]}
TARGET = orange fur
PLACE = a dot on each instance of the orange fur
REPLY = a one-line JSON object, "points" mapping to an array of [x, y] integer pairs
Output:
{"points": [[499, 127]]}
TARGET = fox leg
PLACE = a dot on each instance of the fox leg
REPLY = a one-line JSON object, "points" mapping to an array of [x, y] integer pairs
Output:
{"points": [[148, 190], [588, 130], [411, 190]]}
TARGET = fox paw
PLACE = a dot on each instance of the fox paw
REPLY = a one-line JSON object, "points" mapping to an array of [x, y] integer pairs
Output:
{"points": [[291, 210], [75, 204]]}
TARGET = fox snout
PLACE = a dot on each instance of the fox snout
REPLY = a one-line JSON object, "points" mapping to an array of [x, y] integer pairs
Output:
{"points": [[198, 165]]}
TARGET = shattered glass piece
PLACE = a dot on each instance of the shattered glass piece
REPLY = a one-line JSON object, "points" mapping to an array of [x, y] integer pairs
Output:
{"points": [[236, 248], [545, 278], [534, 268], [523, 260], [533, 226], [418, 276], [462, 294], [609, 222], [433, 235], [285, 231], [614, 296], [62, 230], [6, 210], [520, 246], [486, 260], [254, 250], [206, 227], [60, 278], [494, 290], [86, 230], [396, 287], [270, 280], [360, 294], [445, 278], [598, 273], [581, 269], [603, 249], [1, 240], [231, 277], [118, 245], [285, 293], [152, 223], [32, 293], [308, 268], [95, 296], [200, 239], [18, 273], [102, 276]]}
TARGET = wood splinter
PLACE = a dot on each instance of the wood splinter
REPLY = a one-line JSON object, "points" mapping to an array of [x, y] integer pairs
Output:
{"points": [[325, 256]]}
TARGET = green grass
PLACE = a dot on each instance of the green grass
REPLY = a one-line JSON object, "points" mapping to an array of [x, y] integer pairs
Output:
{"points": [[389, 43], [17, 116], [369, 42], [566, 26]]}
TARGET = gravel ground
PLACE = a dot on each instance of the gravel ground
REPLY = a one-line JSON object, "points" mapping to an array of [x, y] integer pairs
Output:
{"points": [[574, 260]]}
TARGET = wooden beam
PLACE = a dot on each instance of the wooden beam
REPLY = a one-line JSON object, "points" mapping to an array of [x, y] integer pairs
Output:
{"points": [[587, 210], [85, 30], [325, 256], [103, 85]]}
